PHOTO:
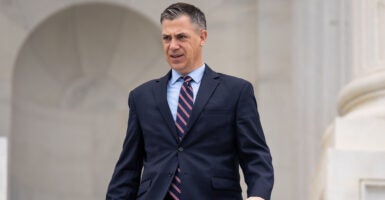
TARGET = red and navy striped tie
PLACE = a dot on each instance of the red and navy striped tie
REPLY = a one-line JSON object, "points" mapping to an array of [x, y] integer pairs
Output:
{"points": [[185, 104]]}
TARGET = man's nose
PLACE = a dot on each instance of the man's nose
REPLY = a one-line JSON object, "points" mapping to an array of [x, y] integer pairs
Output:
{"points": [[174, 44]]}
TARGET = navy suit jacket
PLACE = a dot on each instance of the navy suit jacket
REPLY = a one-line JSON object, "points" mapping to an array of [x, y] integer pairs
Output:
{"points": [[224, 132]]}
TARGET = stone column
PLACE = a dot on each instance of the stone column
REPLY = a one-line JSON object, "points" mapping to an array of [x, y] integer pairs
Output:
{"points": [[353, 161], [3, 168]]}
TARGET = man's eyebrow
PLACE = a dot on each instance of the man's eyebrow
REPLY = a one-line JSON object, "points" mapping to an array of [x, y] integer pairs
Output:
{"points": [[178, 34], [166, 35]]}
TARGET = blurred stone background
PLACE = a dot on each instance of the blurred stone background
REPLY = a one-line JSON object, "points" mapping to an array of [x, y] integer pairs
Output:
{"points": [[67, 66]]}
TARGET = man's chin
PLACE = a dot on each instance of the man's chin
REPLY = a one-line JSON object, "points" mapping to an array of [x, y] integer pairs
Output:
{"points": [[178, 67]]}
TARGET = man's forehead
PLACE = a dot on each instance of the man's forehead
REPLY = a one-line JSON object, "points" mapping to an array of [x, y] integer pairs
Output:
{"points": [[176, 30], [164, 32]]}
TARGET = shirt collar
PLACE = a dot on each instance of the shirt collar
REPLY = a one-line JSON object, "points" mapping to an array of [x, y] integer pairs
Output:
{"points": [[196, 75]]}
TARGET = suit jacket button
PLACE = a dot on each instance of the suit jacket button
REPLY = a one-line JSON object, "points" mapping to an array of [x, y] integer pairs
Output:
{"points": [[180, 149]]}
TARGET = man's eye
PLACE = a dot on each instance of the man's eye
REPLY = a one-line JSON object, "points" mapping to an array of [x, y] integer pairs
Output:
{"points": [[181, 37], [166, 38]]}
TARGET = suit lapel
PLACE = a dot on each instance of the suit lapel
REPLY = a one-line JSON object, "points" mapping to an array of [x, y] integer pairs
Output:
{"points": [[208, 85], [160, 95]]}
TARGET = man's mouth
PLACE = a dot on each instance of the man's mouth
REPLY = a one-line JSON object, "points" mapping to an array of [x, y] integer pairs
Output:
{"points": [[176, 55]]}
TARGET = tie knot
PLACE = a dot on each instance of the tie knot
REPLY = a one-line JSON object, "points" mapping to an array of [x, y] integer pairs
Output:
{"points": [[187, 79]]}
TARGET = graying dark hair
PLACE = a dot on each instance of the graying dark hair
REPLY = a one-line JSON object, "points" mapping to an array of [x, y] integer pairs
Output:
{"points": [[178, 9]]}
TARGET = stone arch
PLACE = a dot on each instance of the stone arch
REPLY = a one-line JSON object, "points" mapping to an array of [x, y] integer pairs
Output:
{"points": [[69, 99]]}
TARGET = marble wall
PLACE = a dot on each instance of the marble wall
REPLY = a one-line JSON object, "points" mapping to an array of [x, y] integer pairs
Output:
{"points": [[3, 168]]}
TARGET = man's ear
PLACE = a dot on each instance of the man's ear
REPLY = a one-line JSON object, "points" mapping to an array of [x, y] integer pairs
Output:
{"points": [[203, 37]]}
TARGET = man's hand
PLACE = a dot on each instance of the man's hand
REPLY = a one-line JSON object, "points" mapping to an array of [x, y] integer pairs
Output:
{"points": [[254, 198]]}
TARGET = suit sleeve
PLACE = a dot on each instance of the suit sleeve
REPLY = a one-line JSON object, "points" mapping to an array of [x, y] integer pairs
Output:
{"points": [[126, 177], [254, 154]]}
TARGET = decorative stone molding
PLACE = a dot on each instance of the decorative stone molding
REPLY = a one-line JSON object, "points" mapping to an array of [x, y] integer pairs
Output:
{"points": [[354, 147], [365, 95], [367, 91], [372, 189]]}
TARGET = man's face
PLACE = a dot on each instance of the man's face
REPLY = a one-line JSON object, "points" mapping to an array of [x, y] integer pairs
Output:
{"points": [[182, 44]]}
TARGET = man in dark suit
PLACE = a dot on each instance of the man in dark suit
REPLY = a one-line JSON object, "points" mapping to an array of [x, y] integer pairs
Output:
{"points": [[189, 131]]}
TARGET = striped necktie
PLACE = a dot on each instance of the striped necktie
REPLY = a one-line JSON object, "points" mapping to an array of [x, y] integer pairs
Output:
{"points": [[185, 104]]}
